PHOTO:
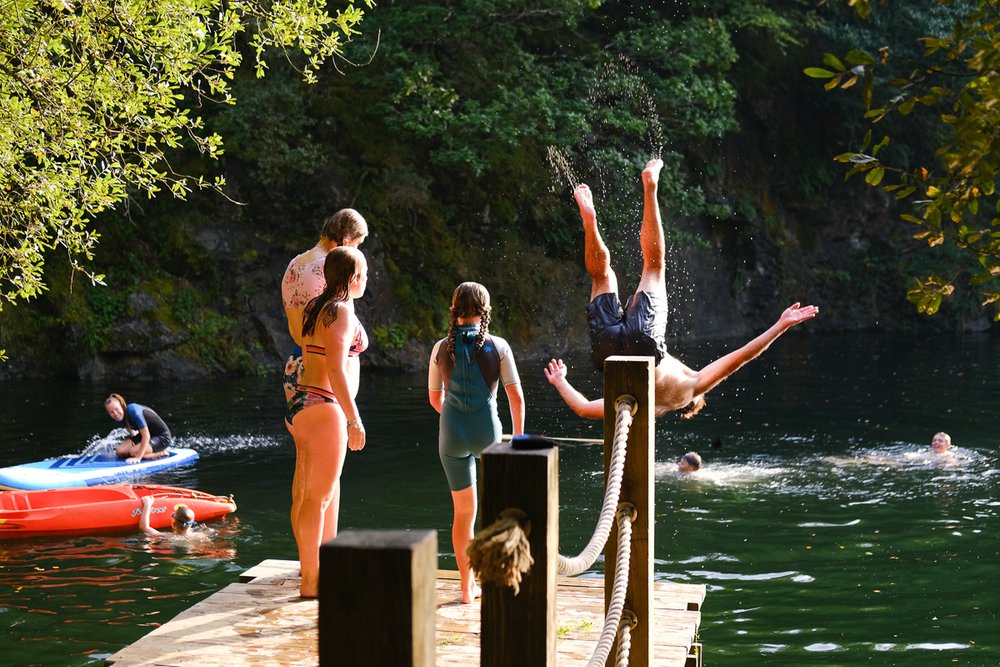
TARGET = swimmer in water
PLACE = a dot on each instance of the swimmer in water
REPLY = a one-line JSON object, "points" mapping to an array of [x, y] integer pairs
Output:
{"points": [[690, 462], [181, 521], [941, 444]]}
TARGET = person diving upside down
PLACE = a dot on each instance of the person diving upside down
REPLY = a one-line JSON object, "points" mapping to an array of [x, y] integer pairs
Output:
{"points": [[639, 329]]}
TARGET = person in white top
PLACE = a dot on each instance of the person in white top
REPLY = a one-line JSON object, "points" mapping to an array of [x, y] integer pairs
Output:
{"points": [[303, 281]]}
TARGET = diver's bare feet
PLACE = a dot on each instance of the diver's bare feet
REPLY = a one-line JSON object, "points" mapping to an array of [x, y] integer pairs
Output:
{"points": [[585, 200], [651, 173]]}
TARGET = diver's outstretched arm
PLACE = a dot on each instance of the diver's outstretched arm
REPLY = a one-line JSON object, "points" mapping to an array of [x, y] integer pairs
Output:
{"points": [[720, 369], [555, 373]]}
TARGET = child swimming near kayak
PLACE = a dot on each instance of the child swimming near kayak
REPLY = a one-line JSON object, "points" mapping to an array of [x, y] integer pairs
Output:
{"points": [[181, 520]]}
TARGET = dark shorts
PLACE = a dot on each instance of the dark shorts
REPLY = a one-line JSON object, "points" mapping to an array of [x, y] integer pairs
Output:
{"points": [[157, 442], [640, 329]]}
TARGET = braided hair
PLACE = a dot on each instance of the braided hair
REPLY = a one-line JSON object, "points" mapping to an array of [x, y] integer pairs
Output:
{"points": [[470, 300], [341, 265]]}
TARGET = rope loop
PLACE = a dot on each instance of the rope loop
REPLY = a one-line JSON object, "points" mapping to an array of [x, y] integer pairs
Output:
{"points": [[629, 621], [612, 492], [500, 553], [627, 512], [616, 603], [629, 401]]}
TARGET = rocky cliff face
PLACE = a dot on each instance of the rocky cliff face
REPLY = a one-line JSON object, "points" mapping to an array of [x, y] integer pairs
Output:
{"points": [[733, 286]]}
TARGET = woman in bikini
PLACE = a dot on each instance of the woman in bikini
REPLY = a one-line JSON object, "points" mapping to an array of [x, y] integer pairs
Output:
{"points": [[322, 415]]}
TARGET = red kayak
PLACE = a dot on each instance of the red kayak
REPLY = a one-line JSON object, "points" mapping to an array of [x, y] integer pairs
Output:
{"points": [[112, 508]]}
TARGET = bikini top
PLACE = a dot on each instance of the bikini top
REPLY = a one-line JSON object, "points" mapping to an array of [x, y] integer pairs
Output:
{"points": [[358, 345]]}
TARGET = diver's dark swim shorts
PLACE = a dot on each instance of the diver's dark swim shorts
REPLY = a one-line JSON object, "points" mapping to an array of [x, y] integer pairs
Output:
{"points": [[640, 329]]}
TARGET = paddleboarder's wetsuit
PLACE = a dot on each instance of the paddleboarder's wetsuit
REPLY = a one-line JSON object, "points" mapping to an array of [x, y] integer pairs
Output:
{"points": [[138, 417], [469, 420]]}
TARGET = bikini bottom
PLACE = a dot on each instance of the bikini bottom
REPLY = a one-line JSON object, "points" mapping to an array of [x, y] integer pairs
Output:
{"points": [[306, 397]]}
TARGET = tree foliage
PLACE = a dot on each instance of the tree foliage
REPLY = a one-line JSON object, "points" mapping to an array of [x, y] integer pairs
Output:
{"points": [[956, 80], [95, 97], [467, 99]]}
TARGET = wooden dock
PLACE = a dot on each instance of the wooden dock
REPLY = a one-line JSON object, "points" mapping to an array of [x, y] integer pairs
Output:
{"points": [[262, 621]]}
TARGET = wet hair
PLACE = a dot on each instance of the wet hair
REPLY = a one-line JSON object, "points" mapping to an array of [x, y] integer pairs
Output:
{"points": [[944, 435], [116, 397], [469, 300], [340, 267], [183, 516], [694, 407], [343, 226], [693, 459]]}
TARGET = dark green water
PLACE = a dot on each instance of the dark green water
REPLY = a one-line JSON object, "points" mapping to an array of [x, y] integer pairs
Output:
{"points": [[825, 534]]}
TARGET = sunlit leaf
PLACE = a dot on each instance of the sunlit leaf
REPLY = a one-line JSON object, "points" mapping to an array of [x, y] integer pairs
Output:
{"points": [[833, 61], [874, 177], [819, 73]]}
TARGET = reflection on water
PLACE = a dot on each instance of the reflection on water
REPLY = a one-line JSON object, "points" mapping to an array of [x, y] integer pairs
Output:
{"points": [[823, 528]]}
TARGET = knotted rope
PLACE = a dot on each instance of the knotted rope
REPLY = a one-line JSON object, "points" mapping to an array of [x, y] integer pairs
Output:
{"points": [[616, 605], [625, 408], [500, 552]]}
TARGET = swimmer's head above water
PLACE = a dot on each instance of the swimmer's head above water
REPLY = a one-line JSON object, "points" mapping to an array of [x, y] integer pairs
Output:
{"points": [[941, 443], [689, 462]]}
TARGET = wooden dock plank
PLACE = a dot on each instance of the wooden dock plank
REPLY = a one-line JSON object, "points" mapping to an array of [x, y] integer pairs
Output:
{"points": [[262, 621]]}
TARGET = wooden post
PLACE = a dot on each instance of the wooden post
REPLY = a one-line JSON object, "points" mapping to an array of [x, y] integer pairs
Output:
{"points": [[376, 598], [520, 630], [633, 376]]}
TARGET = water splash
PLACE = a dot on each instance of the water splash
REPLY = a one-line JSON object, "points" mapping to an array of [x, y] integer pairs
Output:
{"points": [[241, 442], [562, 167], [619, 85], [103, 444]]}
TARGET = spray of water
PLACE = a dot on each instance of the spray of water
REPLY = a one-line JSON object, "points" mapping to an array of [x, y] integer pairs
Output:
{"points": [[561, 166], [103, 444]]}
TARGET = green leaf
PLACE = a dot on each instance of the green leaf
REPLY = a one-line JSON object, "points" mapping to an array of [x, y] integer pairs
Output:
{"points": [[874, 177], [819, 73], [855, 57], [833, 61]]}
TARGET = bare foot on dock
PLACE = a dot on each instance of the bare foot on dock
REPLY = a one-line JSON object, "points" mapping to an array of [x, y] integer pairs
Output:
{"points": [[476, 592], [309, 589], [651, 174], [585, 200]]}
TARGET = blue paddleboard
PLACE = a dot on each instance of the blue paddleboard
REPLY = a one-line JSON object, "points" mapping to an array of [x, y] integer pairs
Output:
{"points": [[105, 468]]}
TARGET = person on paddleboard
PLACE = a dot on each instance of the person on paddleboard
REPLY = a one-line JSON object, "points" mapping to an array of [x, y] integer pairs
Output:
{"points": [[148, 435]]}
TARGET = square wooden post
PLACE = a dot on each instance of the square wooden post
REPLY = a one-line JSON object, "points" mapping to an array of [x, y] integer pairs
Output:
{"points": [[520, 630], [376, 598], [633, 376]]}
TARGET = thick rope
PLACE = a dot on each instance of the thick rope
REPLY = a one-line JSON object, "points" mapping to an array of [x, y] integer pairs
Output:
{"points": [[629, 621], [616, 605], [500, 553], [581, 563]]}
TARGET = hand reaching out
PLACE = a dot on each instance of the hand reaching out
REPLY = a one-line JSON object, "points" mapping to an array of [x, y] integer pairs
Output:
{"points": [[555, 372], [795, 315]]}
